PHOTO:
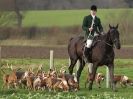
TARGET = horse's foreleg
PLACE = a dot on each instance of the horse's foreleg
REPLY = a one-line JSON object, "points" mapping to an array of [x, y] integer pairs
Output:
{"points": [[92, 76], [111, 72], [72, 64]]}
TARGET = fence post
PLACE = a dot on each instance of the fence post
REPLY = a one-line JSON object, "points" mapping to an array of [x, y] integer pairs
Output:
{"points": [[51, 59], [0, 57], [107, 77]]}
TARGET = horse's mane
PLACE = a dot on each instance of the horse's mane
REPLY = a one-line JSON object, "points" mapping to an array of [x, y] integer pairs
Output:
{"points": [[104, 36]]}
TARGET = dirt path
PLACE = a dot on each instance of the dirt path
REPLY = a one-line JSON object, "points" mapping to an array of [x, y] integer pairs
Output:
{"points": [[43, 52]]}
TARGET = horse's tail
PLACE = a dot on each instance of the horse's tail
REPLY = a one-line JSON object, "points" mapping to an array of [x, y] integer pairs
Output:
{"points": [[70, 45]]}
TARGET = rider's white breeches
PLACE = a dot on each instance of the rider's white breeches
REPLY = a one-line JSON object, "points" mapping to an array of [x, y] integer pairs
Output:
{"points": [[88, 43]]}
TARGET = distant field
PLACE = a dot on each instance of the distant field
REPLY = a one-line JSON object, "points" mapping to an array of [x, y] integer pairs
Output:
{"points": [[73, 17], [122, 66], [56, 27]]}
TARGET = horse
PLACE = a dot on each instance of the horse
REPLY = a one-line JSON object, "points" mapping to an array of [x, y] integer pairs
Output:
{"points": [[102, 53]]}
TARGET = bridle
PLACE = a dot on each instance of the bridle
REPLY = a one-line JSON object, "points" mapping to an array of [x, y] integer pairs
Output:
{"points": [[111, 45]]}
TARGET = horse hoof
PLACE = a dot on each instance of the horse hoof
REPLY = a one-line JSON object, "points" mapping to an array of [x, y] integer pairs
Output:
{"points": [[115, 90], [78, 88]]}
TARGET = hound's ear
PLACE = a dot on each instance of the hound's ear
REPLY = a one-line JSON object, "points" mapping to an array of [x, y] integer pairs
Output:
{"points": [[11, 67], [110, 26], [117, 26]]}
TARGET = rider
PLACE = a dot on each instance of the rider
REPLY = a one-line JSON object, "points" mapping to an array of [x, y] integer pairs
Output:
{"points": [[92, 26]]}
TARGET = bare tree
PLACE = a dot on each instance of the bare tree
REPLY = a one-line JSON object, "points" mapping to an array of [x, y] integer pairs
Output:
{"points": [[7, 9], [18, 14]]}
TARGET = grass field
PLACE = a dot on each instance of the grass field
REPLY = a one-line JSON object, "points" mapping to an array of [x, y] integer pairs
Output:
{"points": [[122, 66], [64, 18]]}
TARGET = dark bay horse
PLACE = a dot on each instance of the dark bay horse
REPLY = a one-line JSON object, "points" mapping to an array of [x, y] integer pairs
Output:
{"points": [[102, 54]]}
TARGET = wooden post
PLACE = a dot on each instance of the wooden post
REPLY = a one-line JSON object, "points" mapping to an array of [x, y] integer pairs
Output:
{"points": [[107, 77], [51, 59], [0, 56], [1, 71]]}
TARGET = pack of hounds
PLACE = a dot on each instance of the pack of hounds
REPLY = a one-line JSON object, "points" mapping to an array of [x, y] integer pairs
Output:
{"points": [[53, 80], [40, 80]]}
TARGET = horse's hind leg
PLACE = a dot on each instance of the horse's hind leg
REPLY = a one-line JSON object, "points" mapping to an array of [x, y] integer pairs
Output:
{"points": [[82, 64], [72, 64]]}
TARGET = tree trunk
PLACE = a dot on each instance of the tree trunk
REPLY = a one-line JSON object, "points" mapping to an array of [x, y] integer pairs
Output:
{"points": [[19, 16]]}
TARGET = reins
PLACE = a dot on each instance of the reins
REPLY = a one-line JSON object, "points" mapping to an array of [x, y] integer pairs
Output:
{"points": [[106, 43]]}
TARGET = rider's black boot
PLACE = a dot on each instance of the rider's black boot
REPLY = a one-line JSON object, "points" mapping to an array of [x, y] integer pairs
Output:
{"points": [[87, 54]]}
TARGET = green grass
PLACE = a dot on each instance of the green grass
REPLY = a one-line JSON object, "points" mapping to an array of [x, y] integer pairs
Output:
{"points": [[122, 66], [64, 18]]}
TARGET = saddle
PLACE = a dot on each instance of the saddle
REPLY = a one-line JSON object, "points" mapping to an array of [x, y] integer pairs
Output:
{"points": [[95, 41]]}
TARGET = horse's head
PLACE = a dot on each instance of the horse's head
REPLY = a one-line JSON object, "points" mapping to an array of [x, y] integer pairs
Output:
{"points": [[114, 36]]}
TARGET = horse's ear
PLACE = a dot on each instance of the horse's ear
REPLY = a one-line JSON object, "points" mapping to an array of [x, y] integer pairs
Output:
{"points": [[117, 26], [110, 26]]}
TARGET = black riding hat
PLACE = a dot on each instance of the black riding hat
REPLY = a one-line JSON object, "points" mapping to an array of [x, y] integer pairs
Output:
{"points": [[94, 7]]}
